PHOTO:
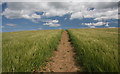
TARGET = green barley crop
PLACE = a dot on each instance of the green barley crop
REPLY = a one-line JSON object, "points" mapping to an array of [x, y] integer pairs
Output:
{"points": [[97, 49], [26, 51]]}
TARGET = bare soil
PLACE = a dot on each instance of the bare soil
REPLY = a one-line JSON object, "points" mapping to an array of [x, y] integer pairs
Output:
{"points": [[63, 59]]}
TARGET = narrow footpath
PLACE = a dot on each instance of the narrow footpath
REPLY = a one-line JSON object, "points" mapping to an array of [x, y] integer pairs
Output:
{"points": [[63, 59]]}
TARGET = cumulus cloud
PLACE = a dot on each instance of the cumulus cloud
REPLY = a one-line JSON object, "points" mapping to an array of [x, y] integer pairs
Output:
{"points": [[105, 10], [100, 11], [52, 23], [96, 24], [107, 24], [77, 10], [35, 21], [92, 26], [13, 14], [11, 24]]}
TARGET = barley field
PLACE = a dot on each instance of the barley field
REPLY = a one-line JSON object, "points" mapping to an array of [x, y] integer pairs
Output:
{"points": [[96, 49], [27, 51]]}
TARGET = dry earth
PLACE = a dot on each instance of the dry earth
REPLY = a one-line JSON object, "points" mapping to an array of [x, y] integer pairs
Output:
{"points": [[63, 59]]}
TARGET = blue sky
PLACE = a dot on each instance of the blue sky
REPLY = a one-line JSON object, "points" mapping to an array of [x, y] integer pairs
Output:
{"points": [[20, 16]]}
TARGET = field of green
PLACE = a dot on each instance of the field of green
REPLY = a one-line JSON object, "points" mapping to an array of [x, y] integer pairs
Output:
{"points": [[26, 51], [97, 49]]}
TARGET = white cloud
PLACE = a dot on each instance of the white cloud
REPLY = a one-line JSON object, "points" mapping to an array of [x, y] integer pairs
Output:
{"points": [[92, 26], [27, 10], [34, 21], [78, 10], [13, 14], [77, 15], [107, 24], [101, 11], [35, 16], [96, 24], [11, 24], [52, 23], [45, 21]]}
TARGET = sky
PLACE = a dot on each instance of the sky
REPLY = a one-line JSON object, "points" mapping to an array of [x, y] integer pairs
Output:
{"points": [[21, 16]]}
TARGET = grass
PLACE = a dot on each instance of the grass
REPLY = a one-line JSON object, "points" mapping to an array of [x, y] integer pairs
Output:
{"points": [[26, 51], [97, 49]]}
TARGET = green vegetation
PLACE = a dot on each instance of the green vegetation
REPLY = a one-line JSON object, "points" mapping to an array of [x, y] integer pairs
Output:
{"points": [[97, 49], [26, 51]]}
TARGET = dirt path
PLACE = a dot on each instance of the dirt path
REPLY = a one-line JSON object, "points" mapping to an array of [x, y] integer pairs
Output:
{"points": [[63, 59]]}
